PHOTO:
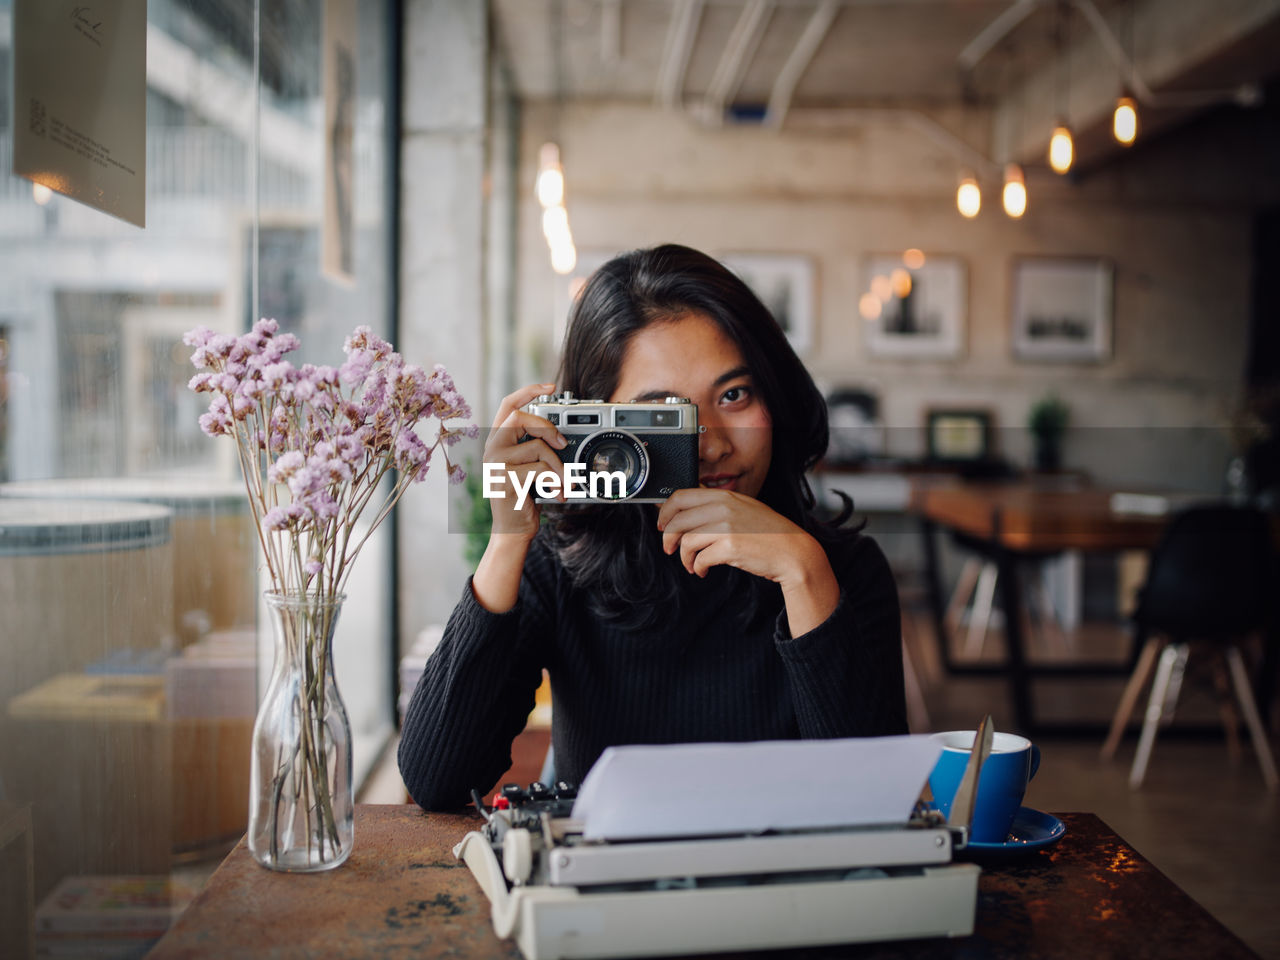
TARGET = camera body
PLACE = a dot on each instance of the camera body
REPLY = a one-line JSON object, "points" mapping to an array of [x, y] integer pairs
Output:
{"points": [[654, 445]]}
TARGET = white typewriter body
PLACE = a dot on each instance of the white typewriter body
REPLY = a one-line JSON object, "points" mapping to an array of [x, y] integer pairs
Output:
{"points": [[561, 890]]}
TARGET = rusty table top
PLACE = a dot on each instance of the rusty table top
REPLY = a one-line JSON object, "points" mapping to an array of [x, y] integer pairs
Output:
{"points": [[401, 894]]}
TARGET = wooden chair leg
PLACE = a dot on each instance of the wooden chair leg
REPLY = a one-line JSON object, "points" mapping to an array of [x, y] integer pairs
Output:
{"points": [[1176, 678], [1227, 708], [1172, 661], [1055, 638], [983, 599], [1137, 681], [1249, 707], [965, 583]]}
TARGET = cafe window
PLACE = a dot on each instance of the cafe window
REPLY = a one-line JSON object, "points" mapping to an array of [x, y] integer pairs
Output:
{"points": [[134, 647]]}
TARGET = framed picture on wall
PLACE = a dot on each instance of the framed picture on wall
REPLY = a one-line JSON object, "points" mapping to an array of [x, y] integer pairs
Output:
{"points": [[958, 435], [1062, 309], [785, 284], [915, 311]]}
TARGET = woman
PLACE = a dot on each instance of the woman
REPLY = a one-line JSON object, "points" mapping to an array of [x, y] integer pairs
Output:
{"points": [[727, 613]]}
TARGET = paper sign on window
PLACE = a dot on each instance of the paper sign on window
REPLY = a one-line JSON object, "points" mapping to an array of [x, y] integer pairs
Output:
{"points": [[80, 101]]}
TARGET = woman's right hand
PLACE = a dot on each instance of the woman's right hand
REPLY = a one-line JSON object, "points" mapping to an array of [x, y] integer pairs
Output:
{"points": [[496, 583], [521, 457]]}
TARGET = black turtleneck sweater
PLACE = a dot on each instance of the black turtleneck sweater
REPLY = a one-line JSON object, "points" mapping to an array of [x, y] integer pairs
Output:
{"points": [[726, 669]]}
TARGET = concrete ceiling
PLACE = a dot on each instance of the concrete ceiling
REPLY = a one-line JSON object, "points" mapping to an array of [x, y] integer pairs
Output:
{"points": [[770, 61]]}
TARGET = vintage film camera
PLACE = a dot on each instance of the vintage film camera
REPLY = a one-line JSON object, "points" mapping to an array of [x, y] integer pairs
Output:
{"points": [[654, 445]]}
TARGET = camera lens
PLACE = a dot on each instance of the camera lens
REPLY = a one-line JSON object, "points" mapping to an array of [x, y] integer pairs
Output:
{"points": [[615, 451]]}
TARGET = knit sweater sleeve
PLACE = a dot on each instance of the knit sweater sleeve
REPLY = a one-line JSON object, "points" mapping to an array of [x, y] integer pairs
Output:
{"points": [[476, 692], [846, 673]]}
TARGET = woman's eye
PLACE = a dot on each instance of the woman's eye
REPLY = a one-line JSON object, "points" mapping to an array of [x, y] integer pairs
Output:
{"points": [[736, 395]]}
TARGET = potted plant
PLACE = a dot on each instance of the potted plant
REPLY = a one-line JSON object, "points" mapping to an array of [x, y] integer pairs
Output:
{"points": [[1048, 422]]}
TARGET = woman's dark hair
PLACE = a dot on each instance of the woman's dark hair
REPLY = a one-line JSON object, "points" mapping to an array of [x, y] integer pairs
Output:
{"points": [[620, 561]]}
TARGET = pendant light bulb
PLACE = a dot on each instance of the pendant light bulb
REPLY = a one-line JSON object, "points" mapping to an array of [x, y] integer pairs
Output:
{"points": [[968, 196], [1124, 122], [564, 257], [550, 183], [1014, 194], [555, 224], [1061, 149]]}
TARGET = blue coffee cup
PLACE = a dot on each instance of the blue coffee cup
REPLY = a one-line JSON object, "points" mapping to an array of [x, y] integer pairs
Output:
{"points": [[1012, 763]]}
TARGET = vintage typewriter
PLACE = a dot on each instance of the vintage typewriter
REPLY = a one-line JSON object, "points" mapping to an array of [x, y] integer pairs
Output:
{"points": [[562, 890]]}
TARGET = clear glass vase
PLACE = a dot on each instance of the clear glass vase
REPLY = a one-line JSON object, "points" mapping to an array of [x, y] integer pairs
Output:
{"points": [[301, 810]]}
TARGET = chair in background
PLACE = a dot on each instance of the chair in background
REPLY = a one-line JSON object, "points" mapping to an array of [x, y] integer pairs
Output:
{"points": [[1209, 582], [977, 582]]}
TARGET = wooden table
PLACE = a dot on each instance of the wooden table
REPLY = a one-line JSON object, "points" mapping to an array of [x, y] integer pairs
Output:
{"points": [[403, 895], [1008, 522]]}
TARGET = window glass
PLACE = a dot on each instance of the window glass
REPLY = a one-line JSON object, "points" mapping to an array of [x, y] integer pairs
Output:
{"points": [[133, 645]]}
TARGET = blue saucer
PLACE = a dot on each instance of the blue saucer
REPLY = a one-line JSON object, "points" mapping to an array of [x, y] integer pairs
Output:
{"points": [[1031, 830]]}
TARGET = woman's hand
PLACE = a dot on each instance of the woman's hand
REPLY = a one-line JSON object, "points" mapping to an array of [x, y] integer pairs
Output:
{"points": [[496, 583], [710, 527], [521, 457]]}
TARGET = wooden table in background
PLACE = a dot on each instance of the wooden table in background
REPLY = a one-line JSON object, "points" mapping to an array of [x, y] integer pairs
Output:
{"points": [[1008, 522], [402, 895]]}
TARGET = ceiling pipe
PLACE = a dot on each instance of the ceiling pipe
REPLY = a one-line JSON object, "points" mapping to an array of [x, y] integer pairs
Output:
{"points": [[1246, 95], [738, 51], [685, 18], [835, 118], [1249, 94], [815, 31], [610, 32], [994, 32]]}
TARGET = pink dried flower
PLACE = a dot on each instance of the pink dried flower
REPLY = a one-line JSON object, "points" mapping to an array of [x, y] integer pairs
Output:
{"points": [[329, 435], [286, 466], [350, 448], [277, 375], [412, 455], [218, 421], [197, 337], [357, 367], [363, 338], [220, 345], [282, 518]]}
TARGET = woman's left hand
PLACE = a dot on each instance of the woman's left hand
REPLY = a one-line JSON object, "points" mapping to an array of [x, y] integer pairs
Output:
{"points": [[711, 527]]}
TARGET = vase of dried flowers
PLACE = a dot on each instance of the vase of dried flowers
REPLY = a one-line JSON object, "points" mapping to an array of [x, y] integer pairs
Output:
{"points": [[301, 817], [317, 445]]}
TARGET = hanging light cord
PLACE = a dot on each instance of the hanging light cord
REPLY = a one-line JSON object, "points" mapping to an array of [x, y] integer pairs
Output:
{"points": [[1248, 94], [557, 57], [1062, 44]]}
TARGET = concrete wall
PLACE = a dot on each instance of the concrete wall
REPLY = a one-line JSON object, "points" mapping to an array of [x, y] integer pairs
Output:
{"points": [[443, 149], [840, 187]]}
